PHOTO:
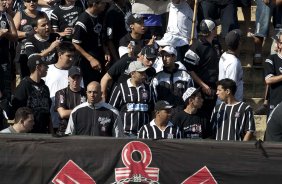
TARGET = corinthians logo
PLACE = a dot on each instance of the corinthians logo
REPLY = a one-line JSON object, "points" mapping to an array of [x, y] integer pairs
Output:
{"points": [[137, 170]]}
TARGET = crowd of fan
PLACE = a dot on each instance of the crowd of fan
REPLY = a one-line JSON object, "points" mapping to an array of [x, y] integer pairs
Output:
{"points": [[95, 68]]}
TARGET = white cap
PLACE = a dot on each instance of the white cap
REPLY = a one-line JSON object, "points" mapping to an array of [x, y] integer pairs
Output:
{"points": [[189, 92], [170, 50], [136, 66], [206, 26]]}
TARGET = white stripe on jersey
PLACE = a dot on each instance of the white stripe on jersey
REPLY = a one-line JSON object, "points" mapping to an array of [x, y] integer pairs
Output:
{"points": [[78, 23]]}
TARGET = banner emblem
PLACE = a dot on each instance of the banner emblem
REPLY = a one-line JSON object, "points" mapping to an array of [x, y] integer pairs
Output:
{"points": [[136, 170]]}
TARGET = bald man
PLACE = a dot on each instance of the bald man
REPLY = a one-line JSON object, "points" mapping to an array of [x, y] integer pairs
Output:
{"points": [[94, 117]]}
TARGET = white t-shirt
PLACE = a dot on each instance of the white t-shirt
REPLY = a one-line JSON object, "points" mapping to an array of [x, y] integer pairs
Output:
{"points": [[230, 67], [56, 79], [180, 22]]}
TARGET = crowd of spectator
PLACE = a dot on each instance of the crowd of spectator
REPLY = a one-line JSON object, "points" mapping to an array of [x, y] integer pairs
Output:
{"points": [[95, 68]]}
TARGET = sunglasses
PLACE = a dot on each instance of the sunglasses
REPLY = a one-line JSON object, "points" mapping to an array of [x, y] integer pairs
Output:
{"points": [[28, 1]]}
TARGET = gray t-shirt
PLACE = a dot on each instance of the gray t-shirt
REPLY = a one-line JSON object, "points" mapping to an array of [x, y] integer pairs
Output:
{"points": [[8, 130]]}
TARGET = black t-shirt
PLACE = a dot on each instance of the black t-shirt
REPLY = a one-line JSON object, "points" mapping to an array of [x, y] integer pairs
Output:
{"points": [[273, 67], [37, 97], [88, 32], [35, 44], [139, 44], [192, 126], [116, 26], [68, 99], [4, 42], [203, 58], [63, 17]]}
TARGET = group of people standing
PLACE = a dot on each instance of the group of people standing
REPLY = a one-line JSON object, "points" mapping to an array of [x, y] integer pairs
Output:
{"points": [[91, 68]]}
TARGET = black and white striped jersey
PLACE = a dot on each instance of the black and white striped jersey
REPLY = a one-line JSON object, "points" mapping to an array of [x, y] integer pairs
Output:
{"points": [[152, 131], [231, 122], [134, 103]]}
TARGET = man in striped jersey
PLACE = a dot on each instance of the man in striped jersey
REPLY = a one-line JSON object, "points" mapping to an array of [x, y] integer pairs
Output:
{"points": [[160, 127], [134, 99], [231, 120]]}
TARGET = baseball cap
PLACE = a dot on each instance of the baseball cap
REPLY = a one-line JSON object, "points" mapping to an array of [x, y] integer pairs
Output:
{"points": [[35, 60], [171, 40], [206, 26], [149, 52], [232, 38], [136, 66], [276, 37], [135, 18], [190, 92], [162, 105], [170, 50], [74, 70]]}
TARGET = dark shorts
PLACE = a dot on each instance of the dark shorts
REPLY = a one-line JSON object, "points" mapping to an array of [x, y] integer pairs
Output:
{"points": [[244, 3], [226, 12]]}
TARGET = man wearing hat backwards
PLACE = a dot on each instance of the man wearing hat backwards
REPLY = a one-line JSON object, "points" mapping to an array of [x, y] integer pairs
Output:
{"points": [[33, 93], [201, 61], [160, 127], [170, 83], [134, 99], [192, 124], [230, 65], [68, 98]]}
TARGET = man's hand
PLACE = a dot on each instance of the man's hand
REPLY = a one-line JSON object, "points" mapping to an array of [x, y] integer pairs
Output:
{"points": [[130, 48], [152, 40], [3, 32], [95, 64], [107, 59], [55, 43], [266, 2], [206, 89], [67, 32]]}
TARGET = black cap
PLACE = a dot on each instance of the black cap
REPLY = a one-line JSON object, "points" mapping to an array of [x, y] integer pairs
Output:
{"points": [[149, 52], [162, 105], [135, 18], [74, 70], [232, 38], [35, 60]]}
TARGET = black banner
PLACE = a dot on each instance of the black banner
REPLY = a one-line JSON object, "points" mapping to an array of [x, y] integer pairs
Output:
{"points": [[42, 159]]}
